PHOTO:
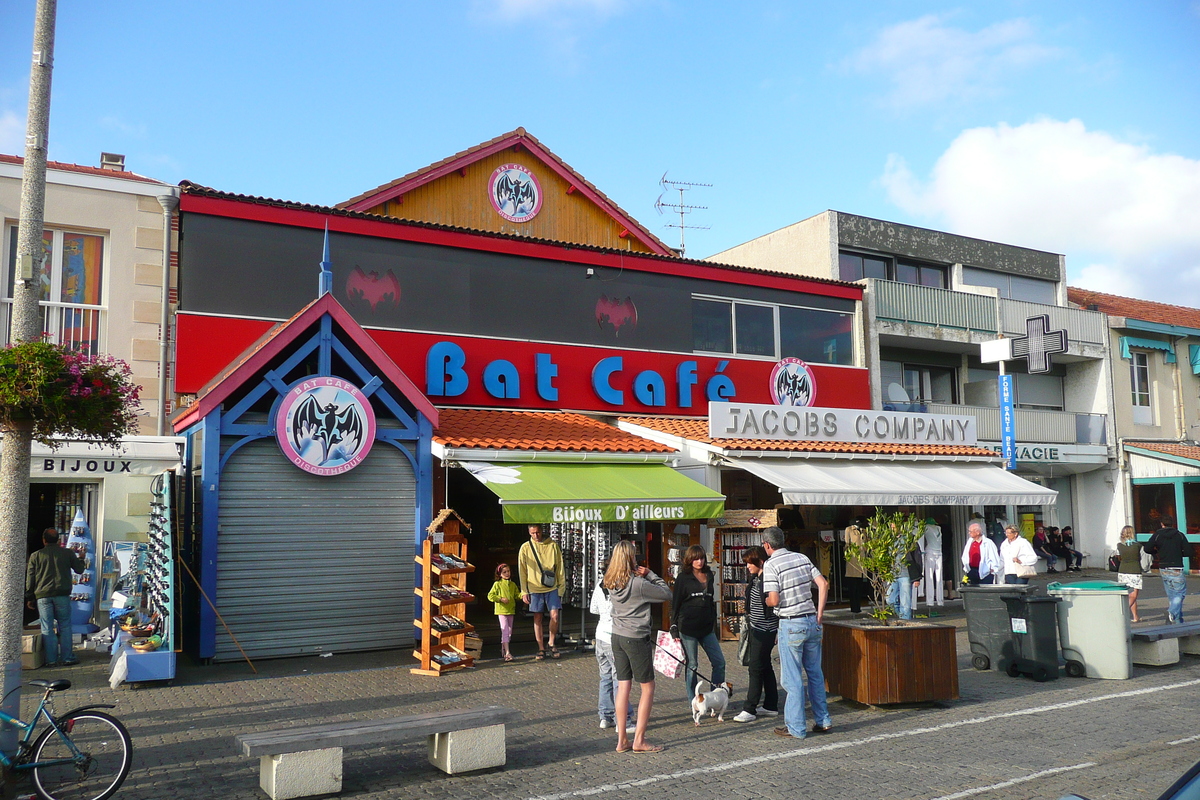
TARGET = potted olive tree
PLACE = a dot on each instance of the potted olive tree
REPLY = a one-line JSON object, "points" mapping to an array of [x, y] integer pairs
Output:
{"points": [[881, 660]]}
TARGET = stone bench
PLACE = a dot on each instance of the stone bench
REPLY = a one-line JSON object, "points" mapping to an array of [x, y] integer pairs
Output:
{"points": [[300, 762], [1161, 645]]}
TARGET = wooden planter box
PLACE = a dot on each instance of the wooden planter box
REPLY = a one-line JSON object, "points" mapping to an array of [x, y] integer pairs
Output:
{"points": [[910, 662]]}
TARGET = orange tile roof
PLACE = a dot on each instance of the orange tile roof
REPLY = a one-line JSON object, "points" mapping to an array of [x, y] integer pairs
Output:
{"points": [[1179, 450], [536, 430], [86, 170], [1144, 310], [697, 431]]}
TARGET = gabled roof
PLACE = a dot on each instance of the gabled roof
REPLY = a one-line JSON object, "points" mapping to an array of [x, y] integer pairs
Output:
{"points": [[105, 173], [536, 430], [518, 138], [260, 354], [696, 430], [1132, 308], [1182, 450]]}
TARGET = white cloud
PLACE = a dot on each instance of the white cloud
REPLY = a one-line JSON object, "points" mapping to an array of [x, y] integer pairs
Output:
{"points": [[928, 62], [12, 133], [1133, 215]]}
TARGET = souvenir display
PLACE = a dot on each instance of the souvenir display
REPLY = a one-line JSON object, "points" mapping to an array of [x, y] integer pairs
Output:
{"points": [[736, 531], [443, 596]]}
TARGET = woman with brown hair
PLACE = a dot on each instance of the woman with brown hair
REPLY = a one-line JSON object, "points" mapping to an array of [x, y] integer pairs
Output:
{"points": [[694, 615], [762, 628], [1129, 573], [632, 589]]}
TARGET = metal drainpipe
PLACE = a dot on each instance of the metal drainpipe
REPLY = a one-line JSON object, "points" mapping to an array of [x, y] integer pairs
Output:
{"points": [[168, 203]]}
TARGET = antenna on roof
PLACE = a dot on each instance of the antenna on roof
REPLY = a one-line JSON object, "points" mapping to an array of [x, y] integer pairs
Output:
{"points": [[680, 208], [326, 283]]}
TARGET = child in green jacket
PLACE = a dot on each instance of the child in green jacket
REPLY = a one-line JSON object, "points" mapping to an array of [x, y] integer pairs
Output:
{"points": [[504, 594]]}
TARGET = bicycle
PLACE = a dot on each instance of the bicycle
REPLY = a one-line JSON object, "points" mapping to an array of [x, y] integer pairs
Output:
{"points": [[83, 755]]}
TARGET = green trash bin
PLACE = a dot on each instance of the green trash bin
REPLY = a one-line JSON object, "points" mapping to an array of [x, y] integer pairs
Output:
{"points": [[989, 630], [1093, 628], [1033, 621]]}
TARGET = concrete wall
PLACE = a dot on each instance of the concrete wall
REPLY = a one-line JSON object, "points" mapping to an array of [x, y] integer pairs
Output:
{"points": [[1170, 385], [808, 247]]}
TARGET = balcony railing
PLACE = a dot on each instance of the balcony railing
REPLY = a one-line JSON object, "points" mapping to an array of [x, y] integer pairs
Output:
{"points": [[79, 328], [926, 305], [1050, 427]]}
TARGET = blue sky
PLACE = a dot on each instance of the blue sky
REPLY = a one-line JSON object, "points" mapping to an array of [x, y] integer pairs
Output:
{"points": [[1065, 126]]}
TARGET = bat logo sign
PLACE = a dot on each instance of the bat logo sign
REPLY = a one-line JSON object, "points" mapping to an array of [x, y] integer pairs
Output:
{"points": [[515, 193], [616, 312], [793, 383], [371, 288], [325, 425]]}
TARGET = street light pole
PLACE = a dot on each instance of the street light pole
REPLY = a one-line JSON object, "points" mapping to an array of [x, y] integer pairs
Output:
{"points": [[26, 326]]}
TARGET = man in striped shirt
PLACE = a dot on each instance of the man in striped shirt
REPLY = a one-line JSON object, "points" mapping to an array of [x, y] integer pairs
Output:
{"points": [[788, 579]]}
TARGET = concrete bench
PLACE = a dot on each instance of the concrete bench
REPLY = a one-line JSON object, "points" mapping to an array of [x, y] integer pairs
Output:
{"points": [[1162, 644], [300, 762]]}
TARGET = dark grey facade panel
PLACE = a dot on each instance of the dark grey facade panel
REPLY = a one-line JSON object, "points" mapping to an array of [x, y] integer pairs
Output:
{"points": [[257, 269], [309, 564], [938, 247]]}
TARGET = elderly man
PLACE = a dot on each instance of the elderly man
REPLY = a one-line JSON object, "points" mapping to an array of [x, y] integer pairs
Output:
{"points": [[980, 558], [542, 578]]}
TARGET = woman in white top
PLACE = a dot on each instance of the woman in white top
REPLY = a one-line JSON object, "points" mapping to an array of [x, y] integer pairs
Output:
{"points": [[1017, 556]]}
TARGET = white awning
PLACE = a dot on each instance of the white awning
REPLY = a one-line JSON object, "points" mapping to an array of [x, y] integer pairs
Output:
{"points": [[859, 483], [135, 455]]}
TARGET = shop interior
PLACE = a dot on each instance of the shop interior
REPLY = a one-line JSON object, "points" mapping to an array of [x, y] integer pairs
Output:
{"points": [[53, 505]]}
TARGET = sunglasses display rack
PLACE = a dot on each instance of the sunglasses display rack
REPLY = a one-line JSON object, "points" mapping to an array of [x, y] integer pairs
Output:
{"points": [[443, 597], [584, 551], [149, 587]]}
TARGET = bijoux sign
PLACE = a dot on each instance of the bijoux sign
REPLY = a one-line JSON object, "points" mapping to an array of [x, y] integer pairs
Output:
{"points": [[325, 425], [754, 421]]}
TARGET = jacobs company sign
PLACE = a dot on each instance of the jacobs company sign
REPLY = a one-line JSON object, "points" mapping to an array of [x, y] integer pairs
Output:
{"points": [[784, 423]]}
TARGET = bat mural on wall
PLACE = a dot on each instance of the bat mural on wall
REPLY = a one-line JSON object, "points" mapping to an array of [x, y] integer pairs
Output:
{"points": [[372, 288], [616, 312]]}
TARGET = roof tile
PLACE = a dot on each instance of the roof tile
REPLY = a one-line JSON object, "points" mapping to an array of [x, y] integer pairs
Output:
{"points": [[59, 165], [1132, 308], [1178, 449], [697, 431], [536, 430]]}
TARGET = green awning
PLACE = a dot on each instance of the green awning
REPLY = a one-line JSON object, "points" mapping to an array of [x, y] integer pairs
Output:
{"points": [[575, 492]]}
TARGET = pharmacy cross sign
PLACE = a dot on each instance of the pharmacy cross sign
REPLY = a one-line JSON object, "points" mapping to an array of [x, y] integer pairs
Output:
{"points": [[1038, 343]]}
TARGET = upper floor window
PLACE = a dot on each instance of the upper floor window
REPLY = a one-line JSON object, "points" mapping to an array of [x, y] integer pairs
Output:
{"points": [[917, 384], [1139, 380], [856, 266], [73, 269], [772, 331], [1013, 287]]}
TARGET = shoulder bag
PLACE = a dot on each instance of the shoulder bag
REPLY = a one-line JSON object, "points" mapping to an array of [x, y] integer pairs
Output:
{"points": [[1025, 571], [549, 576]]}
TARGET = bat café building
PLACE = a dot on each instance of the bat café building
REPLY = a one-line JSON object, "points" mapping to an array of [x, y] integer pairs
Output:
{"points": [[492, 334]]}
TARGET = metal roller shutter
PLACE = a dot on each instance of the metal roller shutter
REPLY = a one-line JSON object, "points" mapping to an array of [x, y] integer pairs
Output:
{"points": [[309, 564]]}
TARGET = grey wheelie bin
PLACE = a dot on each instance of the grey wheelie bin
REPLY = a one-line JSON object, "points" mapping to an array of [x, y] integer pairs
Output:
{"points": [[1093, 628], [1033, 622], [988, 628]]}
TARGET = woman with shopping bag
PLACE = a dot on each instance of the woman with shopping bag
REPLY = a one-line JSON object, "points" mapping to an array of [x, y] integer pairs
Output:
{"points": [[632, 589]]}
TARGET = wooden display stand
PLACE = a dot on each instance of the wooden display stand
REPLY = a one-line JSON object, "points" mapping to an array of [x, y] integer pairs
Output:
{"points": [[732, 534], [444, 537], [678, 538]]}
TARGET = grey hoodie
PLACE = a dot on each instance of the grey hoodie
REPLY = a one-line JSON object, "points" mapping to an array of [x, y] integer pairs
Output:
{"points": [[631, 605]]}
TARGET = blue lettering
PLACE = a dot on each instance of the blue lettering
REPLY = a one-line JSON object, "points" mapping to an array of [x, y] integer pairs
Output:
{"points": [[685, 377], [649, 388], [601, 374], [547, 370], [719, 387], [444, 375], [501, 380]]}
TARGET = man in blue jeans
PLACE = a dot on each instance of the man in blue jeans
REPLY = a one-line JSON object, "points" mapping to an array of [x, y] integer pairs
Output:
{"points": [[48, 582], [787, 581], [1170, 545]]}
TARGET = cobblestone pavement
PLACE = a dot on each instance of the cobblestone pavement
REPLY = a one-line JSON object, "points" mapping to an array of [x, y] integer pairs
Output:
{"points": [[1103, 739]]}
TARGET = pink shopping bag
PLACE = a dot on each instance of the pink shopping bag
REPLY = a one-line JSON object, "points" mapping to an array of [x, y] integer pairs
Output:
{"points": [[668, 655]]}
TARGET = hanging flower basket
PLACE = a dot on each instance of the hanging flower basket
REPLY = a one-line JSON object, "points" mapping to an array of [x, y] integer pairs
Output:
{"points": [[66, 394]]}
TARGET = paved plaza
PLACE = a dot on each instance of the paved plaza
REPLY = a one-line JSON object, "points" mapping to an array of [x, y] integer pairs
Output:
{"points": [[1005, 737]]}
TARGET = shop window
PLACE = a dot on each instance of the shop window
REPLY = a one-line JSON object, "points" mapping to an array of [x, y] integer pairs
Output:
{"points": [[1151, 502], [1191, 504], [856, 266], [821, 337], [71, 279], [1139, 380], [755, 329]]}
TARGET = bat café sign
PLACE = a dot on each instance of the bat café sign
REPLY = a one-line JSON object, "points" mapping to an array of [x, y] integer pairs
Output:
{"points": [[325, 425], [808, 424]]}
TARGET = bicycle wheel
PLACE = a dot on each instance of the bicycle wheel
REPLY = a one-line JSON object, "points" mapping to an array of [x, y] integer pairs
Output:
{"points": [[106, 754]]}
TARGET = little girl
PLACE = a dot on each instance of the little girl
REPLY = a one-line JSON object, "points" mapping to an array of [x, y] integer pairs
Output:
{"points": [[504, 594]]}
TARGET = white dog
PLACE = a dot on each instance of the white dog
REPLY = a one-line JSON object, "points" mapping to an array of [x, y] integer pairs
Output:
{"points": [[710, 701]]}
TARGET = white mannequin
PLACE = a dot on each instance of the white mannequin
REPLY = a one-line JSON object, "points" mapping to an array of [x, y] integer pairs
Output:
{"points": [[931, 544]]}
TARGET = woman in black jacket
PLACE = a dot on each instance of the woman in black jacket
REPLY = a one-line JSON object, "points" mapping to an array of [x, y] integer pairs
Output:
{"points": [[763, 627], [694, 609]]}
